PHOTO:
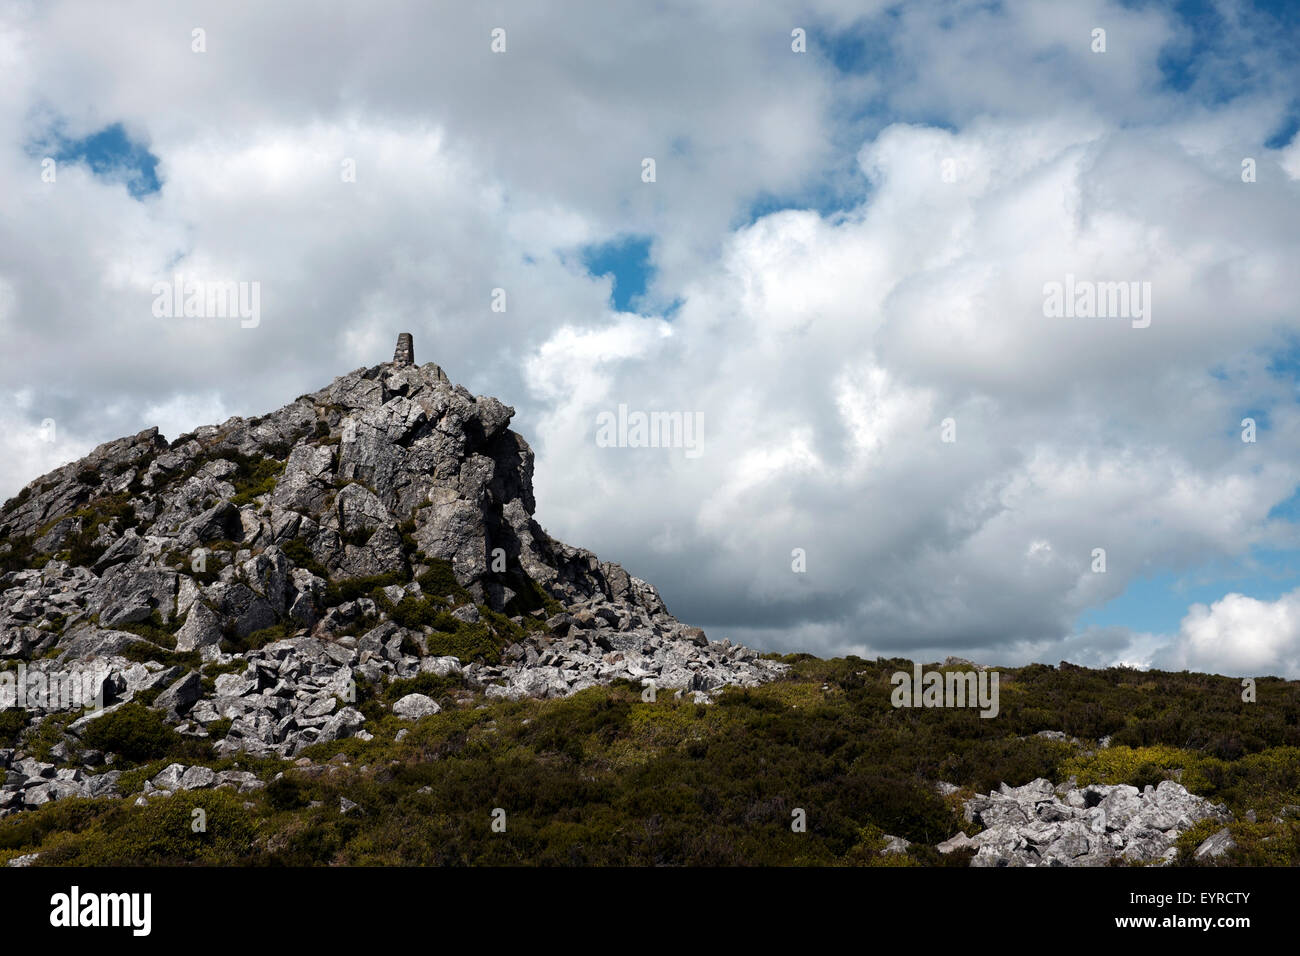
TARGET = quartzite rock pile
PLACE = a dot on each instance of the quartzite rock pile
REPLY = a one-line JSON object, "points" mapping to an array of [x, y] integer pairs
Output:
{"points": [[390, 474], [1042, 825]]}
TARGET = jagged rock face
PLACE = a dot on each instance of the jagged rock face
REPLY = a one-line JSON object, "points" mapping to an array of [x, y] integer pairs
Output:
{"points": [[380, 449], [391, 478], [1042, 825]]}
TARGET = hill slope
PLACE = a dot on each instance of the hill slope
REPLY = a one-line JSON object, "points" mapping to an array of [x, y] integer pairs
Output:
{"points": [[606, 777]]}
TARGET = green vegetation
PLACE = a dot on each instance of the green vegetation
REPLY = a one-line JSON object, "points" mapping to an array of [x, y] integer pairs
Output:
{"points": [[12, 722], [507, 628], [301, 556], [155, 629], [210, 672], [139, 734], [234, 644], [431, 685], [20, 555], [481, 641], [43, 736], [254, 477], [213, 564], [529, 597], [466, 642], [159, 833], [349, 589], [80, 548], [17, 500], [168, 657], [161, 646], [604, 777], [415, 612], [440, 581]]}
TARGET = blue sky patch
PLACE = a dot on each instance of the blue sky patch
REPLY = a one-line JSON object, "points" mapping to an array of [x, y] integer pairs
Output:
{"points": [[1286, 130], [627, 260], [1156, 604], [112, 154], [861, 48], [1285, 362], [1210, 57], [1288, 510], [821, 199]]}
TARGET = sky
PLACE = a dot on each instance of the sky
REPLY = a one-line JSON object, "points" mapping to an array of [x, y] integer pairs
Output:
{"points": [[825, 232]]}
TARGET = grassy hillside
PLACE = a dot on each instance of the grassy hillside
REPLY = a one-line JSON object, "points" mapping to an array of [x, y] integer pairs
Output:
{"points": [[605, 778]]}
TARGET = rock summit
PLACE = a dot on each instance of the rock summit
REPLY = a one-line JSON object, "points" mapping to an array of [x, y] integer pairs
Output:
{"points": [[378, 529]]}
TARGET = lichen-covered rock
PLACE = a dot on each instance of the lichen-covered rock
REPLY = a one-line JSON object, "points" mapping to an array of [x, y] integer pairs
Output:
{"points": [[415, 706], [1043, 825], [1215, 845]]}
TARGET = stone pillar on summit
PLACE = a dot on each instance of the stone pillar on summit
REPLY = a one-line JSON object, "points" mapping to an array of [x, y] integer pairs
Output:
{"points": [[405, 353]]}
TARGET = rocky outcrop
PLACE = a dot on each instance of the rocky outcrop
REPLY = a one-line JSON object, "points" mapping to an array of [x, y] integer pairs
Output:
{"points": [[30, 783], [632, 646], [384, 470], [1042, 825], [379, 528]]}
